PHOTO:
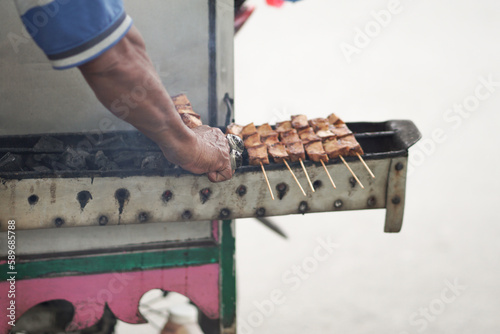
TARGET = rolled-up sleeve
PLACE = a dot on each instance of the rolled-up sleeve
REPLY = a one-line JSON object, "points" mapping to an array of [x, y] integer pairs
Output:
{"points": [[73, 32]]}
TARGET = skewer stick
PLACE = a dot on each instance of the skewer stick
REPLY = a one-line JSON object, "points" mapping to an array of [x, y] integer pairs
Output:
{"points": [[366, 166], [328, 173], [286, 163], [267, 180], [354, 175], [307, 175]]}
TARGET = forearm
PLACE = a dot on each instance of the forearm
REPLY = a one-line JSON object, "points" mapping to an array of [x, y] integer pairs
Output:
{"points": [[126, 83]]}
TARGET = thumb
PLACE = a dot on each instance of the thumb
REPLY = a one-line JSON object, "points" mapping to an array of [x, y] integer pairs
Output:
{"points": [[213, 176]]}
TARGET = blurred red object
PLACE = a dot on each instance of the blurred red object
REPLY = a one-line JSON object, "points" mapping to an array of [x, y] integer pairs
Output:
{"points": [[242, 16], [275, 3]]}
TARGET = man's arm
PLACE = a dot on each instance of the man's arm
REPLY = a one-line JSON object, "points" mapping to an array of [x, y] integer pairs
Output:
{"points": [[125, 67]]}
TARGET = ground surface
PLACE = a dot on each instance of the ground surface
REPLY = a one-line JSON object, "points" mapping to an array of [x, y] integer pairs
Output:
{"points": [[428, 58]]}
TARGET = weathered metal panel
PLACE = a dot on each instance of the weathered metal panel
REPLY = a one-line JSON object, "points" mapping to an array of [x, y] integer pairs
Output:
{"points": [[141, 199], [177, 39], [105, 239]]}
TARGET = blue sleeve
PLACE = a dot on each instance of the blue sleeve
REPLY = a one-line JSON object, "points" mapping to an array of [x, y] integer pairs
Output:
{"points": [[73, 32]]}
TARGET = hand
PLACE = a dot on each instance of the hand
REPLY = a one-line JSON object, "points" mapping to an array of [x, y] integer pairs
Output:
{"points": [[210, 154]]}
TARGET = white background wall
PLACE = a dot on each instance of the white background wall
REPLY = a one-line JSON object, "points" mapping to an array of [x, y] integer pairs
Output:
{"points": [[430, 57]]}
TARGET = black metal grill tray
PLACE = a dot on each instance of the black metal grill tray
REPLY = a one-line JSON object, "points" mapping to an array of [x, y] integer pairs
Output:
{"points": [[379, 140]]}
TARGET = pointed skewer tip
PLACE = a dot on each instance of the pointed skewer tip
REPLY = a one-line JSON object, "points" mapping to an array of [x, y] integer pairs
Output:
{"points": [[350, 170], [267, 180], [307, 175], [329, 176], [295, 178], [366, 166]]}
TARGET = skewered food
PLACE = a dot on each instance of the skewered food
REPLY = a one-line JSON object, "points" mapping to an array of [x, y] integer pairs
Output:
{"points": [[299, 121], [352, 145], [325, 134], [334, 148], [184, 108], [319, 124], [340, 131], [252, 140], [234, 129], [307, 135], [334, 120], [296, 151], [265, 129], [283, 126], [190, 120], [181, 100], [278, 152], [270, 139], [257, 155], [315, 151], [248, 130], [290, 136], [319, 138]]}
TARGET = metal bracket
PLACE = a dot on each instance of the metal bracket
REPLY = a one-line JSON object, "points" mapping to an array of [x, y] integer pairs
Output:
{"points": [[395, 197], [230, 111]]}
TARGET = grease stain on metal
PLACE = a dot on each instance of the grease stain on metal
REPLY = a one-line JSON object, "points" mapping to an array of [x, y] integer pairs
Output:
{"points": [[396, 200], [83, 198], [225, 213], [317, 184], [122, 195], [143, 217], [53, 188], [205, 195], [261, 212], [167, 196], [186, 215], [103, 220], [241, 191], [338, 204], [352, 181], [59, 222], [33, 199], [282, 189], [303, 207]]}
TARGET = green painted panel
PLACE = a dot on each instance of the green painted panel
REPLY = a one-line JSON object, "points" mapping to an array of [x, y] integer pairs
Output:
{"points": [[114, 263], [228, 276]]}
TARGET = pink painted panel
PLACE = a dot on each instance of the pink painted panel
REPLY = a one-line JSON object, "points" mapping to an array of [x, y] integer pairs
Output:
{"points": [[121, 291], [215, 230]]}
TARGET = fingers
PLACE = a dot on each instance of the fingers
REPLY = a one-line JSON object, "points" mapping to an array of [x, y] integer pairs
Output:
{"points": [[210, 154], [222, 175]]}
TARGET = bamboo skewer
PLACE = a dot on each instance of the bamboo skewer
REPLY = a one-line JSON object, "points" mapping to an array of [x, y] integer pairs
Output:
{"points": [[307, 175], [366, 166], [328, 173], [286, 163], [267, 181], [354, 175]]}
